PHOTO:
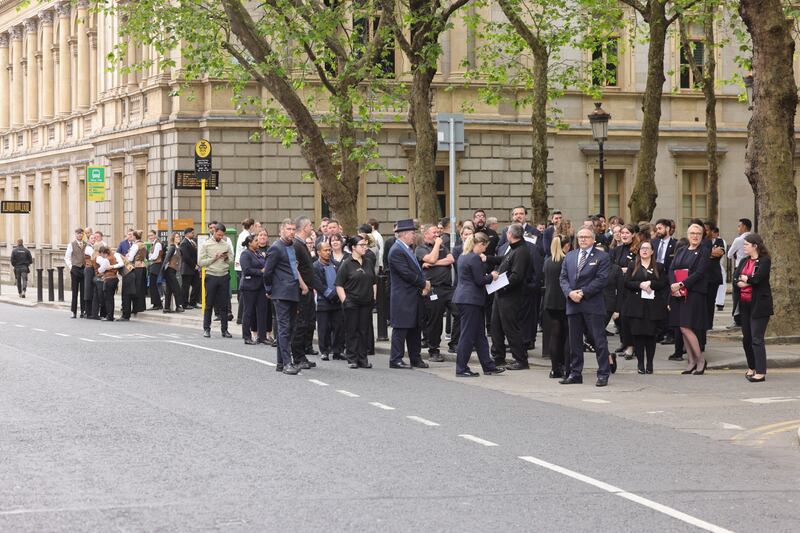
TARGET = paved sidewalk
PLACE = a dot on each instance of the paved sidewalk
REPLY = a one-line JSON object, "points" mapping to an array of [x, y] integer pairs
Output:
{"points": [[724, 349]]}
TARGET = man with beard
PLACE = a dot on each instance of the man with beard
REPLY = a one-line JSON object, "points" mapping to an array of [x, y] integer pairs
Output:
{"points": [[304, 329]]}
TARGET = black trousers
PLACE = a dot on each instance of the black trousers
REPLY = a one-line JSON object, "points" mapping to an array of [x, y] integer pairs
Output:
{"points": [[286, 315], [88, 288], [595, 328], [507, 325], [129, 288], [403, 338], [330, 331], [173, 288], [190, 282], [254, 309], [434, 319], [305, 323], [473, 337], [76, 278], [737, 317], [753, 330], [98, 298], [558, 337], [644, 345], [217, 296], [530, 323], [140, 299], [357, 321], [109, 290], [155, 296], [21, 275]]}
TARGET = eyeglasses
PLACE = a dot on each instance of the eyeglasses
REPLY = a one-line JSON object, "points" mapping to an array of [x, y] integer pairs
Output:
{"points": [[361, 244]]}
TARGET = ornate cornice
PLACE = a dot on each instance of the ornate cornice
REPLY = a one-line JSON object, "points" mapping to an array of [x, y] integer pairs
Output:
{"points": [[4, 38], [16, 32], [31, 24], [47, 17], [64, 9]]}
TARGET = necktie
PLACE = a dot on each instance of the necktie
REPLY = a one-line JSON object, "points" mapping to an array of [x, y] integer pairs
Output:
{"points": [[292, 260], [582, 260], [660, 257]]}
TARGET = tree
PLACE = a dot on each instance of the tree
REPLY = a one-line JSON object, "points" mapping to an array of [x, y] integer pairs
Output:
{"points": [[769, 159], [703, 74], [659, 15], [423, 21], [312, 58]]}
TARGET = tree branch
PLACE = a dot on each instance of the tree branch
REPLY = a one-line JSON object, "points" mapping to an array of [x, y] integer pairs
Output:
{"points": [[533, 41], [678, 14], [637, 5], [452, 8], [388, 7], [697, 73], [323, 76]]}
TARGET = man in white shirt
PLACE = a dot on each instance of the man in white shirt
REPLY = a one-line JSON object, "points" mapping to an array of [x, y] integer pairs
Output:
{"points": [[74, 261], [736, 254], [155, 257], [378, 238], [246, 225], [109, 272]]}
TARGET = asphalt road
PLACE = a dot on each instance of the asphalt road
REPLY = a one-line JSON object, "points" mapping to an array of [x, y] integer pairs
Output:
{"points": [[135, 427]]}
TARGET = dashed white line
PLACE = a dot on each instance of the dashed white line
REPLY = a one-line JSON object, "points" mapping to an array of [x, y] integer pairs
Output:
{"points": [[18, 326], [771, 399], [726, 425], [347, 393], [40, 330], [87, 340], [479, 440], [3, 323], [669, 511], [421, 420], [654, 412], [110, 335], [260, 361], [62, 335], [318, 382], [383, 406], [595, 400], [171, 335]]}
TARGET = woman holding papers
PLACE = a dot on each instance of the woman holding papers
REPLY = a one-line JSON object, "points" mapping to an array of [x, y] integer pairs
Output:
{"points": [[645, 306], [469, 296], [751, 281], [688, 285]]}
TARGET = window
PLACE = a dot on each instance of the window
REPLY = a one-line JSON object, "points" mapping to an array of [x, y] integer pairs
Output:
{"points": [[687, 76], [605, 63], [614, 192], [443, 191], [694, 195], [366, 19]]}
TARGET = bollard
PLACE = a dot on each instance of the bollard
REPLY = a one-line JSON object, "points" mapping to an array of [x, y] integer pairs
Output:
{"points": [[39, 289], [383, 308], [61, 284], [51, 286]]}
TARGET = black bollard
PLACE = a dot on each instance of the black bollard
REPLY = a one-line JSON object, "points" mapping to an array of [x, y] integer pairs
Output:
{"points": [[51, 286], [383, 308], [61, 284], [39, 288]]}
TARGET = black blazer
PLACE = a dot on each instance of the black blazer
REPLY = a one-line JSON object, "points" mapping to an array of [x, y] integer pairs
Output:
{"points": [[762, 291], [553, 296], [697, 262], [637, 307], [252, 271], [278, 275], [668, 255], [472, 279], [188, 257]]}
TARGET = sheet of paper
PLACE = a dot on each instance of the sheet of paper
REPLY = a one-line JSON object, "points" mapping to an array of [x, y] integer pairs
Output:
{"points": [[499, 283], [648, 295], [530, 239]]}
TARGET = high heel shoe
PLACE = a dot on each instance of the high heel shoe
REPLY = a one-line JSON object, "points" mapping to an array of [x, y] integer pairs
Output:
{"points": [[700, 372], [691, 370]]}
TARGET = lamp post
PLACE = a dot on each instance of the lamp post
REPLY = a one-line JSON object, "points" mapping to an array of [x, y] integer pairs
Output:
{"points": [[599, 121], [748, 87]]}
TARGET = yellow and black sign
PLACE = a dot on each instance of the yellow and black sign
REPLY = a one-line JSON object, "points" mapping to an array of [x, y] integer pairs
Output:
{"points": [[15, 207], [202, 159], [202, 148]]}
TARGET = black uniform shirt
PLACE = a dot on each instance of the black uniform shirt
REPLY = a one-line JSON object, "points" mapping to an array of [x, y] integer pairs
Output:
{"points": [[439, 276], [357, 280]]}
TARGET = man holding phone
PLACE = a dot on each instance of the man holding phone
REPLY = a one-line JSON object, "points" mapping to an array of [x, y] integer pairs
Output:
{"points": [[215, 255]]}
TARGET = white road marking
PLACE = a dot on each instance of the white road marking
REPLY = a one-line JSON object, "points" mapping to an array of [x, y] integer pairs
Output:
{"points": [[318, 382], [770, 399], [654, 412], [595, 400], [18, 326], [669, 511], [422, 420], [62, 334], [3, 323], [479, 440], [142, 335], [40, 330], [347, 393], [725, 425], [85, 339], [110, 335], [383, 406], [260, 361], [171, 335]]}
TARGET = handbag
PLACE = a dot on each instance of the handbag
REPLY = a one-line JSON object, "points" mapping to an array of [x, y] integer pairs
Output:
{"points": [[680, 276]]}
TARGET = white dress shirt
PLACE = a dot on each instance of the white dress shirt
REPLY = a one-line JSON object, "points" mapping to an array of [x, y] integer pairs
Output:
{"points": [[154, 251], [736, 251]]}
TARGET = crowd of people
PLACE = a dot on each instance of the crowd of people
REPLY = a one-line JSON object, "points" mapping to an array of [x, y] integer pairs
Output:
{"points": [[570, 283]]}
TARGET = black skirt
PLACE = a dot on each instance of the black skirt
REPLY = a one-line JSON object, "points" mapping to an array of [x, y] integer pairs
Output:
{"points": [[691, 312]]}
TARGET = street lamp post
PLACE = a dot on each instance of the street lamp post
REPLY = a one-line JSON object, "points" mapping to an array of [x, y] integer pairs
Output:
{"points": [[599, 121], [748, 87]]}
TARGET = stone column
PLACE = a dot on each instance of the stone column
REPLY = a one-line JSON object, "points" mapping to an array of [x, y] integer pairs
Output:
{"points": [[17, 99], [93, 66], [5, 104], [64, 79], [48, 65], [32, 78], [130, 59], [83, 54]]}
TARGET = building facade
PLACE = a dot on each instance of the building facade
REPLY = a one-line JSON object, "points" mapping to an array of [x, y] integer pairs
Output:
{"points": [[62, 109]]}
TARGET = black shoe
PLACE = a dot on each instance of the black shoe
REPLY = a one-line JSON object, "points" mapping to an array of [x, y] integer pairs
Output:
{"points": [[278, 368], [74, 315], [619, 349], [311, 351], [689, 371], [648, 371], [274, 343], [424, 344], [230, 317], [325, 357], [467, 374], [217, 319], [668, 340], [107, 319], [250, 341], [352, 365], [179, 309], [701, 372], [451, 350], [83, 314], [720, 307], [640, 370], [613, 364], [610, 333], [366, 365], [156, 308], [189, 307], [227, 335], [571, 380], [401, 364], [291, 370], [556, 374], [421, 364], [125, 319], [628, 356], [238, 322], [751, 379], [303, 365], [206, 333], [494, 371], [601, 382], [517, 366], [436, 358], [338, 357], [167, 310], [675, 357]]}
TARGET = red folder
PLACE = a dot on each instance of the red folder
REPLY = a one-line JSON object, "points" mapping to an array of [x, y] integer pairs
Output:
{"points": [[680, 276]]}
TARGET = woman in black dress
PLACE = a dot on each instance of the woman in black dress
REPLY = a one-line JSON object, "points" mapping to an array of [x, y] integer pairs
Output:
{"points": [[555, 303], [621, 258], [755, 304], [645, 305], [171, 268], [688, 286], [263, 246], [356, 286]]}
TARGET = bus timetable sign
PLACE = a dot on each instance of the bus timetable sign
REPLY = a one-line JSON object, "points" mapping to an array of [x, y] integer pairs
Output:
{"points": [[15, 207], [188, 180]]}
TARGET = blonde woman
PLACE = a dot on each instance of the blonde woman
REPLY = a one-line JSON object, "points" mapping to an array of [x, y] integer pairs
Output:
{"points": [[555, 303]]}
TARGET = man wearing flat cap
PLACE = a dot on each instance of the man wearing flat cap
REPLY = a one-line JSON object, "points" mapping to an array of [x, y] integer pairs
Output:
{"points": [[408, 287]]}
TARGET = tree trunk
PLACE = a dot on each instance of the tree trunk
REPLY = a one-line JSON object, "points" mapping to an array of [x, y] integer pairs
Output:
{"points": [[770, 153], [643, 199], [539, 138], [342, 197], [709, 81], [425, 155]]}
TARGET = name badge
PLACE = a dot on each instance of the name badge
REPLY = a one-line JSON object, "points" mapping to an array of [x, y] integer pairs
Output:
{"points": [[592, 264], [434, 297]]}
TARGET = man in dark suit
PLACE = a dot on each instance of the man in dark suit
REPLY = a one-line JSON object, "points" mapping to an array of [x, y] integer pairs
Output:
{"points": [[519, 215], [190, 275], [508, 312], [663, 252], [583, 277], [282, 280], [304, 331], [479, 223], [716, 248], [547, 235], [408, 287]]}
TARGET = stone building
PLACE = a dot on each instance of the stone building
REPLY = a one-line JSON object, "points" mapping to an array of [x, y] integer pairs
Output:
{"points": [[62, 109]]}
